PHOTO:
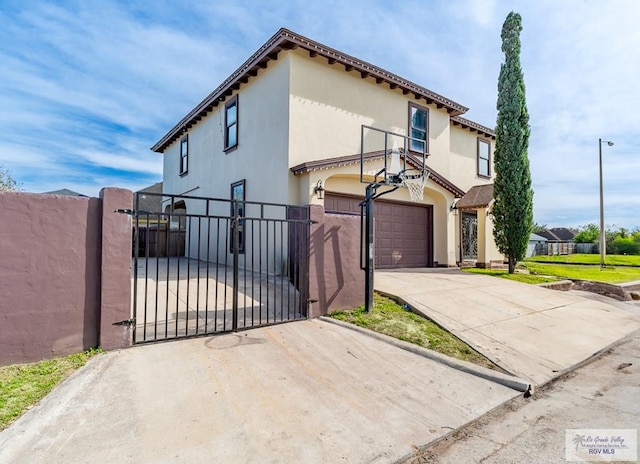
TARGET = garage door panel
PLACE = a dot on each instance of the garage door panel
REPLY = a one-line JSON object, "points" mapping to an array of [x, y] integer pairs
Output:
{"points": [[402, 231]]}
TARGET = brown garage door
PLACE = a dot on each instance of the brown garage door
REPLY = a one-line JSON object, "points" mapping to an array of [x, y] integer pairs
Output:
{"points": [[403, 231]]}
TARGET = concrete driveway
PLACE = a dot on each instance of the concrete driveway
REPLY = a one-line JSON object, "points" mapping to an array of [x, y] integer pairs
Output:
{"points": [[530, 331], [180, 297], [301, 392]]}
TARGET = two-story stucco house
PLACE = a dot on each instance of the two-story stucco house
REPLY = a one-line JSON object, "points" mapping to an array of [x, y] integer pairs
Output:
{"points": [[289, 121]]}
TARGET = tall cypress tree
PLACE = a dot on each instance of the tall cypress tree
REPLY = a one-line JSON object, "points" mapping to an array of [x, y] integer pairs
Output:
{"points": [[513, 206]]}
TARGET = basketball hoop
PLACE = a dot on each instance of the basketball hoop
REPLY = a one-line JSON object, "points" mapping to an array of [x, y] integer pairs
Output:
{"points": [[414, 180]]}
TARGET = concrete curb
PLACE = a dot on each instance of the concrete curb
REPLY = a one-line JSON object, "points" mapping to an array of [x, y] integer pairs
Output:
{"points": [[603, 288], [561, 285], [514, 383], [446, 327]]}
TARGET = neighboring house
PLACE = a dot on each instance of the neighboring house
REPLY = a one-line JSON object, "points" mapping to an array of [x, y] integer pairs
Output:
{"points": [[289, 120], [152, 228], [560, 240], [150, 202], [537, 245], [559, 234], [65, 192]]}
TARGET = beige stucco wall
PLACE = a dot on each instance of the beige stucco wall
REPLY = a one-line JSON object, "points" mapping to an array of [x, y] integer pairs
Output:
{"points": [[464, 158], [328, 106], [261, 155], [487, 249]]}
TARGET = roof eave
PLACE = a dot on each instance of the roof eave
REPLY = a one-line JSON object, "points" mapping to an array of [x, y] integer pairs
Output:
{"points": [[285, 39], [330, 163], [473, 126]]}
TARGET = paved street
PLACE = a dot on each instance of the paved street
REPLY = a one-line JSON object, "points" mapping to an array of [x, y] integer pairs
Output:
{"points": [[602, 394]]}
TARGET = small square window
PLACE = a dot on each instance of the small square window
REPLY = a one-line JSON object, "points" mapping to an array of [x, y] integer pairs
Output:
{"points": [[484, 158], [184, 155], [231, 124]]}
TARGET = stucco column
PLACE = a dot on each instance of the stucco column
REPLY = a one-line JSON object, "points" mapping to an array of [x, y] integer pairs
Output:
{"points": [[316, 261], [482, 258], [452, 239], [116, 269]]}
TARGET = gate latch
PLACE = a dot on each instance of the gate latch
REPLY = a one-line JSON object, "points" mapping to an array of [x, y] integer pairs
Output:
{"points": [[128, 322]]}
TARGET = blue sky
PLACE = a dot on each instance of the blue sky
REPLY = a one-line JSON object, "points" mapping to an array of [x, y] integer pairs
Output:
{"points": [[86, 88]]}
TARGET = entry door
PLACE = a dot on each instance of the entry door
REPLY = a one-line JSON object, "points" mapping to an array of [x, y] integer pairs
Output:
{"points": [[469, 235]]}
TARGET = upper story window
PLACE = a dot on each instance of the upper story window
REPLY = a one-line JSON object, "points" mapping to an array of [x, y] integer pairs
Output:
{"points": [[184, 155], [418, 128], [484, 158], [231, 123]]}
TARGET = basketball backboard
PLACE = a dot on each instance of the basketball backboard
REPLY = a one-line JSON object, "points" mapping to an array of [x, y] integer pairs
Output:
{"points": [[389, 158]]}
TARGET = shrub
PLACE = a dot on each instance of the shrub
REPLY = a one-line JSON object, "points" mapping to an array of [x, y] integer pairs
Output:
{"points": [[625, 246]]}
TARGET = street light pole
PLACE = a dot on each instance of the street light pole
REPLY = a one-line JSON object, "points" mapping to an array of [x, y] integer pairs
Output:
{"points": [[603, 241]]}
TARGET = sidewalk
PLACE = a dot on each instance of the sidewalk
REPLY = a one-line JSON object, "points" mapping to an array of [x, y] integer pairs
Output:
{"points": [[532, 332]]}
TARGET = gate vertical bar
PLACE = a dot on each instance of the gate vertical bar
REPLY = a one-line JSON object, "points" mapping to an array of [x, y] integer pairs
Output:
{"points": [[206, 304], [236, 237], [168, 253], [198, 276], [188, 228], [135, 265], [146, 274]]}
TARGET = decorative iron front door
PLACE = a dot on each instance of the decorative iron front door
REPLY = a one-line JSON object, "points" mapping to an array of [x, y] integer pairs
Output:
{"points": [[469, 235]]}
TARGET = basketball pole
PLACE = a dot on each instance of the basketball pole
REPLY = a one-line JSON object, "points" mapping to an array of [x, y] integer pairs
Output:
{"points": [[369, 247], [394, 180], [371, 193]]}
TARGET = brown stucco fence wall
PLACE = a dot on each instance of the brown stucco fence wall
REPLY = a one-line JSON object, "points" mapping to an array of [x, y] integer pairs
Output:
{"points": [[335, 277], [64, 274]]}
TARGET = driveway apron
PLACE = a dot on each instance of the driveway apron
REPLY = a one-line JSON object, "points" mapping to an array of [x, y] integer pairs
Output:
{"points": [[306, 391], [532, 332]]}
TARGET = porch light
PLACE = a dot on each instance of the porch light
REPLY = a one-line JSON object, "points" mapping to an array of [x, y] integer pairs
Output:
{"points": [[318, 190]]}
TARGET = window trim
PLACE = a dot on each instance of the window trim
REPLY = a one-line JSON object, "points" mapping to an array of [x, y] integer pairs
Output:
{"points": [[184, 156], [233, 101], [478, 158], [426, 126], [241, 245]]}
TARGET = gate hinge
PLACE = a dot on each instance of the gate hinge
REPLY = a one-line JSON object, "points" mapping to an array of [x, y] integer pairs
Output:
{"points": [[128, 322], [124, 211]]}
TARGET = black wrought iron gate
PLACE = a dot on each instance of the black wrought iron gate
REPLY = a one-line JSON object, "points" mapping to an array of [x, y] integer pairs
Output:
{"points": [[209, 265]]}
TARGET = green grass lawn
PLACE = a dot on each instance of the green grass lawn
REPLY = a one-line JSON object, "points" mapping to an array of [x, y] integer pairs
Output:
{"points": [[389, 318], [23, 385], [518, 277], [610, 274], [610, 260]]}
